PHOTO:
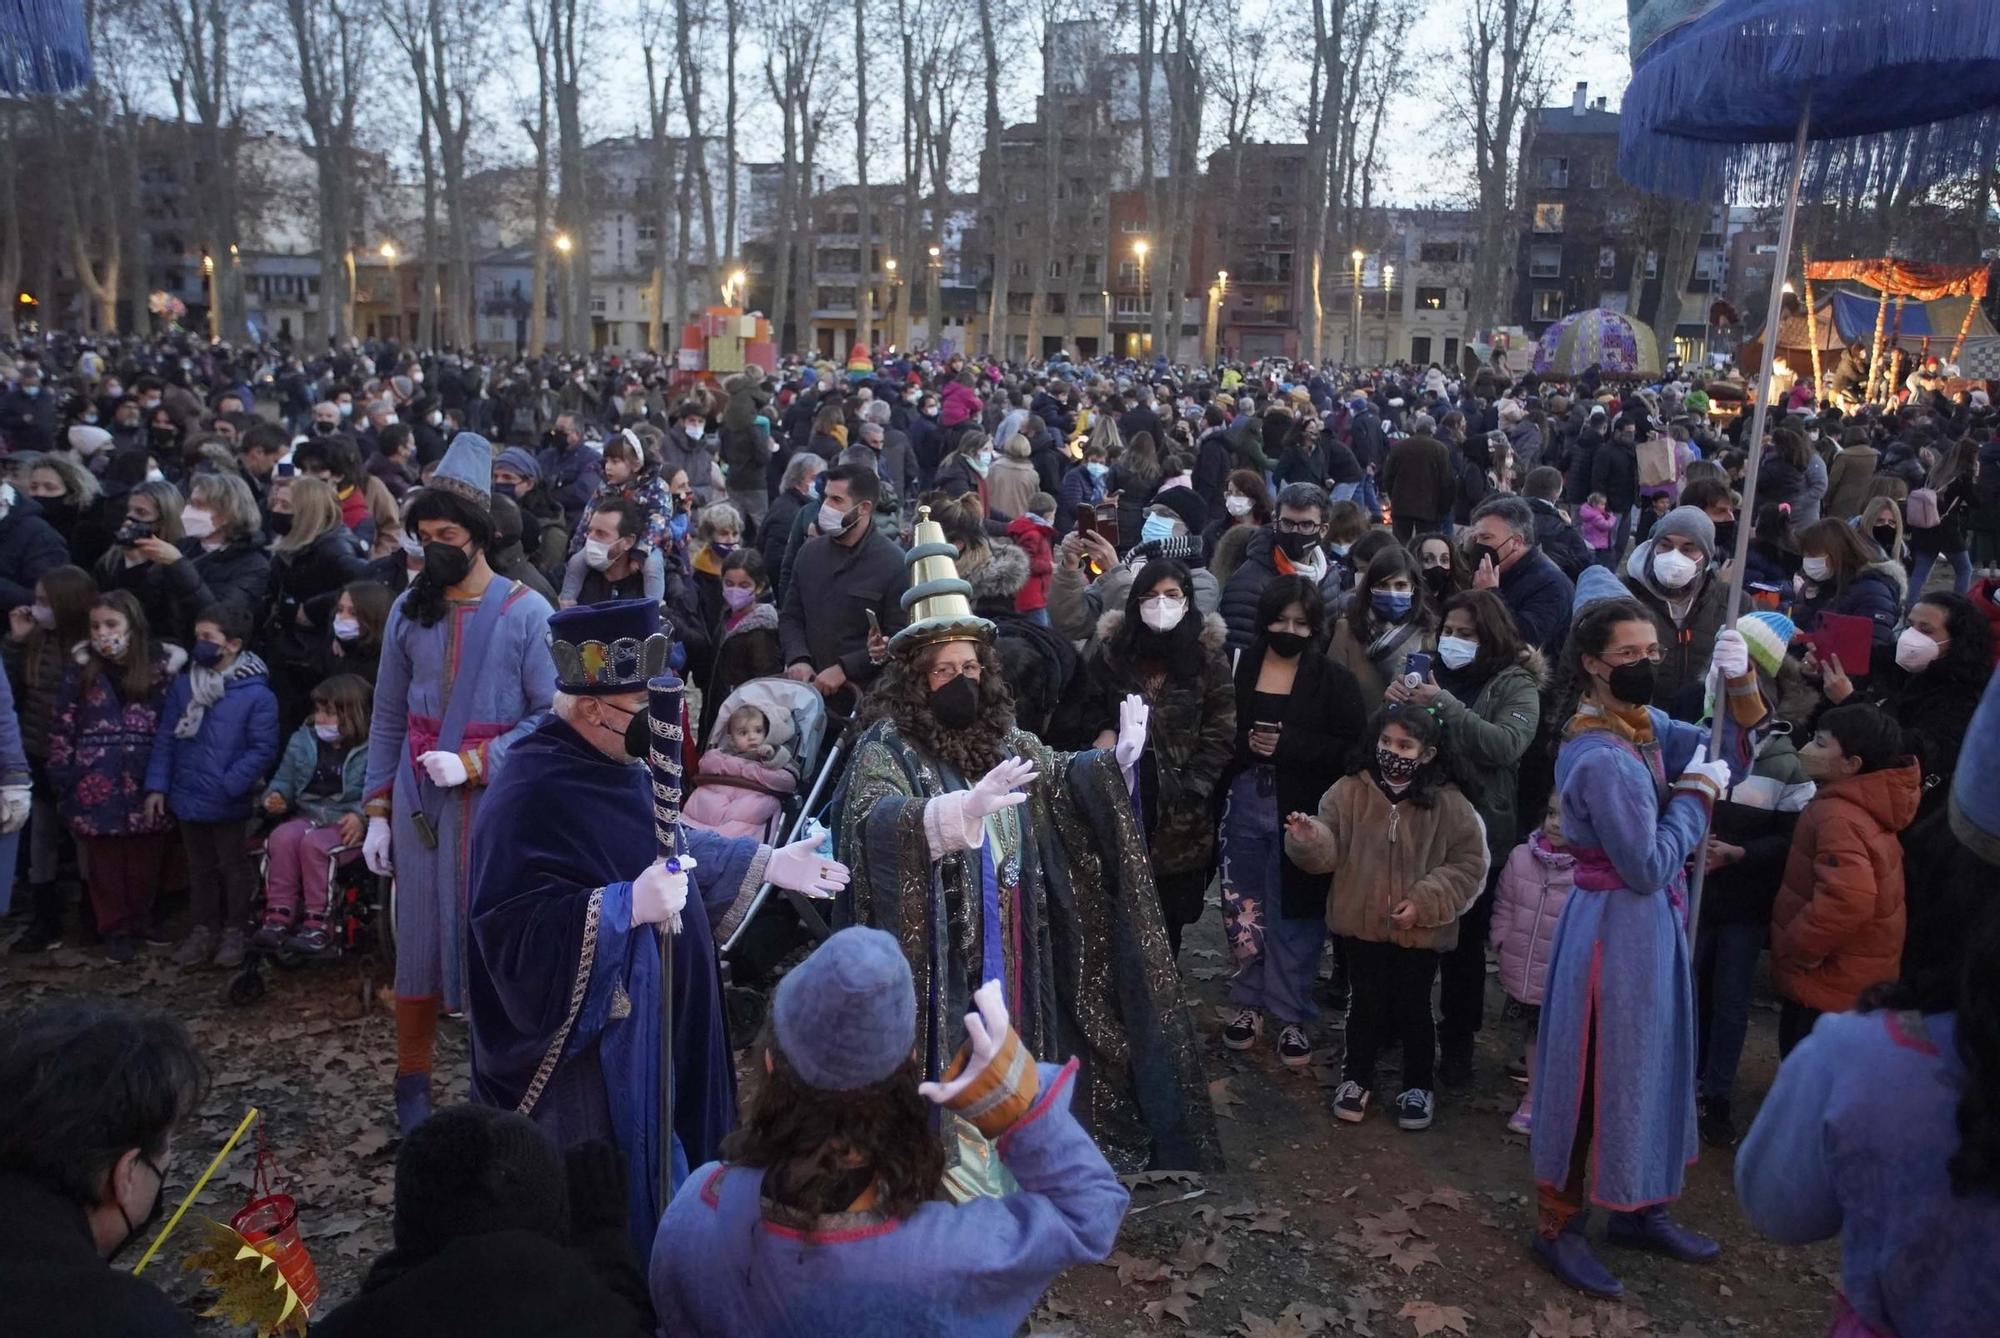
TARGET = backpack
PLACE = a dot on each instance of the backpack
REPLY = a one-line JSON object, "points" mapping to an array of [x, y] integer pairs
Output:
{"points": [[1921, 511], [1658, 466]]}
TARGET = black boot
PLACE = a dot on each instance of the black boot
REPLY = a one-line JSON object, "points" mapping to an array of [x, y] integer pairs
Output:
{"points": [[44, 931]]}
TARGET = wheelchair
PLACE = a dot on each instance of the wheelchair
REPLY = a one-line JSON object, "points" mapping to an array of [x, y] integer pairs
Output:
{"points": [[360, 914]]}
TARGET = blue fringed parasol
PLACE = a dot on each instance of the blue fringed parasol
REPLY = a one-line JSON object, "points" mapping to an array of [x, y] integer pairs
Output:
{"points": [[1830, 97], [1899, 91], [44, 47]]}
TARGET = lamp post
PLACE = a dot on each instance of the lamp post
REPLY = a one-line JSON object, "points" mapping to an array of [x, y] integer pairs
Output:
{"points": [[563, 296], [1216, 293], [1139, 249], [1388, 309], [1354, 349], [214, 310], [895, 282], [934, 299], [388, 252]]}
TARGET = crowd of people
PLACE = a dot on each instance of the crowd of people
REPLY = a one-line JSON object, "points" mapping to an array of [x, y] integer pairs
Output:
{"points": [[1393, 668]]}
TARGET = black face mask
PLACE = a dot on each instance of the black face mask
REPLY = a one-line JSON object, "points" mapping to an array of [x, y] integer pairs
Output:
{"points": [[322, 428], [134, 1230], [638, 733], [1477, 553], [1633, 683], [279, 523], [446, 564], [1885, 538], [1438, 581], [504, 489], [1297, 546], [1290, 645], [956, 704]]}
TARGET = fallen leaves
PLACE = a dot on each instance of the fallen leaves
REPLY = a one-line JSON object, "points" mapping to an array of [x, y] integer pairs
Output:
{"points": [[1222, 1098], [1555, 1321], [1427, 1317]]}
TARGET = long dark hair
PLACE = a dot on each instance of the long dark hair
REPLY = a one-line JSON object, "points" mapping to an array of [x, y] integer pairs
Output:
{"points": [[1968, 660], [427, 598], [1500, 642], [902, 693], [71, 592], [1279, 593], [1395, 560], [133, 681], [803, 1137], [1177, 652]]}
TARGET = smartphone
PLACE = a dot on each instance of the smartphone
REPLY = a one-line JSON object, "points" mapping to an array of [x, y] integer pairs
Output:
{"points": [[1417, 666], [874, 623], [1086, 520], [1268, 726]]}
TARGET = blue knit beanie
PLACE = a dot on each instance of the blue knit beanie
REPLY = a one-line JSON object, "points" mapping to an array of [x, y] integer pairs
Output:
{"points": [[1596, 584], [846, 1017]]}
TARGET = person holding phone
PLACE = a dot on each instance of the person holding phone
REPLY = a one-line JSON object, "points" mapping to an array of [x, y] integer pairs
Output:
{"points": [[1485, 690], [1298, 714]]}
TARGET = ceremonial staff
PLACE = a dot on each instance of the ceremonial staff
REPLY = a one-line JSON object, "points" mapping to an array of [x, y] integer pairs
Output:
{"points": [[663, 760]]}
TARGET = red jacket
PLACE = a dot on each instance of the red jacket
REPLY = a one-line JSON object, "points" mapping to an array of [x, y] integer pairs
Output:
{"points": [[957, 403], [1837, 926], [1985, 596], [1033, 537]]}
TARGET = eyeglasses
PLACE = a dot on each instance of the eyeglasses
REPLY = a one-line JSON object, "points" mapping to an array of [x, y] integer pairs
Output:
{"points": [[1632, 655], [1298, 527], [941, 674]]}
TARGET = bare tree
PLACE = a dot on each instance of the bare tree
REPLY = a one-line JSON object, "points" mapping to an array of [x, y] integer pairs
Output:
{"points": [[864, 288], [690, 47], [195, 38], [732, 30], [659, 98], [793, 34], [446, 44], [567, 49], [332, 39], [1505, 45], [10, 222], [535, 22], [999, 205]]}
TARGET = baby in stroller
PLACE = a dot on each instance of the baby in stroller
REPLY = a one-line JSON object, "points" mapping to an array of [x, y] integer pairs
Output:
{"points": [[744, 776]]}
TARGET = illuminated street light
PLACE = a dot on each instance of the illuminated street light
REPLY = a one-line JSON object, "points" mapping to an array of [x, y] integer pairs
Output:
{"points": [[563, 242], [389, 252]]}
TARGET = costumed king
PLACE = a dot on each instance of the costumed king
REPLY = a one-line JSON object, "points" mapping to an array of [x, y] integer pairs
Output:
{"points": [[989, 856], [565, 971], [465, 674]]}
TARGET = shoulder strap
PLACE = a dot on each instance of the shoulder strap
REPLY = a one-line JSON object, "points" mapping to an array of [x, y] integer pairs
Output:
{"points": [[458, 711]]}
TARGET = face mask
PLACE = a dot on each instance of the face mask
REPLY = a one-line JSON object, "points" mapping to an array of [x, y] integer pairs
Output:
{"points": [[1438, 581], [322, 428], [111, 645], [1340, 550], [416, 377], [1915, 651], [1674, 569], [596, 554], [982, 462], [327, 733], [207, 654], [135, 1230], [1288, 645], [280, 524], [1633, 683], [1297, 547], [1457, 651], [1236, 504], [44, 615], [832, 520], [1098, 469], [198, 523], [446, 564], [722, 549], [147, 406], [1816, 568], [738, 597], [1481, 552], [638, 734], [31, 391], [505, 490], [1394, 767], [434, 418], [346, 409], [346, 629], [1885, 538], [1391, 604], [1161, 613], [1155, 529], [956, 704]]}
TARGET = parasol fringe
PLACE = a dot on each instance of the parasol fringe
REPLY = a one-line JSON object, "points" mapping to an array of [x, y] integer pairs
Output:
{"points": [[44, 47], [1762, 62]]}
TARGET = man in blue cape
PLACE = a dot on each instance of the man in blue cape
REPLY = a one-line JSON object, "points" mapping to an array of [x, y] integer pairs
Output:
{"points": [[563, 963]]}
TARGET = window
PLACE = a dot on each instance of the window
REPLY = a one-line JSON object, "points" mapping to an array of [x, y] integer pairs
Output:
{"points": [[1018, 269], [1281, 265], [1607, 261], [1438, 253], [1548, 217], [1273, 303], [1652, 264], [1057, 303], [1090, 304], [1545, 261], [837, 299], [1020, 230], [1128, 305], [1132, 225], [1020, 304], [1707, 267], [597, 306], [1548, 304], [1055, 269], [1553, 173], [1274, 222], [1430, 299], [1128, 271], [1600, 173]]}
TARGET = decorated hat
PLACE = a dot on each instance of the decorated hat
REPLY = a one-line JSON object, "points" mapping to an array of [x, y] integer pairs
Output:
{"points": [[939, 600], [604, 649], [1767, 635], [859, 364], [467, 469]]}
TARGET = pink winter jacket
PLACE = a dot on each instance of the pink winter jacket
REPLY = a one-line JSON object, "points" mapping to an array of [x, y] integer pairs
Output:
{"points": [[1534, 884], [731, 810]]}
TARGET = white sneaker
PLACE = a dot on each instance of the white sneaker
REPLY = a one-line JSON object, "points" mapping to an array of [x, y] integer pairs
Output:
{"points": [[1414, 1109], [1350, 1102]]}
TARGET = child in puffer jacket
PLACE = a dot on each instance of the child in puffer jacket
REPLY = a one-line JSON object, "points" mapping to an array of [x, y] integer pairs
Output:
{"points": [[1527, 902], [318, 791], [743, 776]]}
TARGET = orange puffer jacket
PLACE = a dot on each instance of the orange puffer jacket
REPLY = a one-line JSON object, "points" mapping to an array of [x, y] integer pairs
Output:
{"points": [[1838, 923]]}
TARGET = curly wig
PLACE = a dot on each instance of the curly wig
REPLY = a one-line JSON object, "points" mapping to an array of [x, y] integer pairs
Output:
{"points": [[903, 695]]}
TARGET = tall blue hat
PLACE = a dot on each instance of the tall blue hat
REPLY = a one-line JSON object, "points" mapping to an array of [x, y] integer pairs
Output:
{"points": [[467, 470], [604, 649]]}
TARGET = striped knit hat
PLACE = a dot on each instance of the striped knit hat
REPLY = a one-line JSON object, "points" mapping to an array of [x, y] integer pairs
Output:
{"points": [[1767, 635]]}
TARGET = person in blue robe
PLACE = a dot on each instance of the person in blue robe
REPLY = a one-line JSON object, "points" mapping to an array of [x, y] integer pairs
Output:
{"points": [[563, 979]]}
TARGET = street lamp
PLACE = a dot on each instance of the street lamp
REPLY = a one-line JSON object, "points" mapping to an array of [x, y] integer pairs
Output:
{"points": [[1139, 249], [1354, 350], [563, 242]]}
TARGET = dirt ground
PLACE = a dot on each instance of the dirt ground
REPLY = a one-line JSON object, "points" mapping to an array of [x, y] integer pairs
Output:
{"points": [[1316, 1227]]}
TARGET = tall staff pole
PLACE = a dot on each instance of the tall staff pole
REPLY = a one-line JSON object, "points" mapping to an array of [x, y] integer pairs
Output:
{"points": [[664, 759], [1756, 453]]}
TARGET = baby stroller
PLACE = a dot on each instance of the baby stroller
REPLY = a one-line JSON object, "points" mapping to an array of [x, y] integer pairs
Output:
{"points": [[360, 911], [797, 715]]}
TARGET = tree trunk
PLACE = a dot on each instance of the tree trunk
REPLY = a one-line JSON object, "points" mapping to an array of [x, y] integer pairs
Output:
{"points": [[864, 289], [1000, 212], [732, 12]]}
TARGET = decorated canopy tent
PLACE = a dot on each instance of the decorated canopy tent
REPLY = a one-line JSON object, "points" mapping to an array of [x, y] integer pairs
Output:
{"points": [[1840, 318], [1610, 341], [1796, 337]]}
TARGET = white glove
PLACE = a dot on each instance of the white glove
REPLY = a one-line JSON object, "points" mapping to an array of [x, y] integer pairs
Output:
{"points": [[987, 1030], [444, 769], [1133, 713], [1700, 771], [375, 848], [16, 802], [801, 868], [1732, 653], [659, 897], [1000, 788]]}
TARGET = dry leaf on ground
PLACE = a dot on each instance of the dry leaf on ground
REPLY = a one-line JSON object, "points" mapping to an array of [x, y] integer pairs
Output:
{"points": [[1555, 1321], [1428, 1317]]}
